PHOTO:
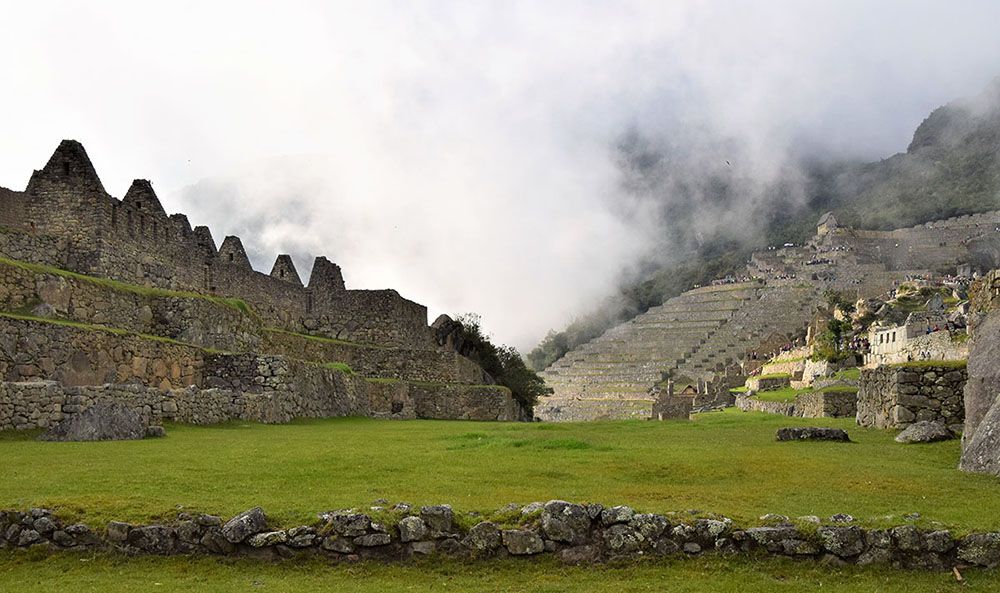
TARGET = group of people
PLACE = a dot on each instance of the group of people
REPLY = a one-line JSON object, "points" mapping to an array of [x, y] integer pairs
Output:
{"points": [[732, 280], [859, 344]]}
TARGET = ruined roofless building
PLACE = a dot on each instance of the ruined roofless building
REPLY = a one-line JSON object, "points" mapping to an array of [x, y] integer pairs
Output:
{"points": [[67, 219]]}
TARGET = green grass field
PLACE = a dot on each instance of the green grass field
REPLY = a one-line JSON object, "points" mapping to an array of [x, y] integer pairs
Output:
{"points": [[71, 573], [726, 463]]}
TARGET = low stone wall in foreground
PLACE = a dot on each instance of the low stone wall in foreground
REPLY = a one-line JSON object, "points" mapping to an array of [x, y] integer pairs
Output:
{"points": [[574, 533]]}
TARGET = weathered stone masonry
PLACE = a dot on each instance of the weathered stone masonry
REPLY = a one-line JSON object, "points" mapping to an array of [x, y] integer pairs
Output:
{"points": [[897, 396], [134, 240], [574, 533]]}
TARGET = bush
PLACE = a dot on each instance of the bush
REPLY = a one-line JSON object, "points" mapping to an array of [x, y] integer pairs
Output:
{"points": [[503, 363]]}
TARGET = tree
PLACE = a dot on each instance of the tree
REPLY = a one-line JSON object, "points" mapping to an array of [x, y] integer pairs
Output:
{"points": [[503, 363]]}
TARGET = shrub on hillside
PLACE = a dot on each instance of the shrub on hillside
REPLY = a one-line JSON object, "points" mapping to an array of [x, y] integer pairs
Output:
{"points": [[503, 363]]}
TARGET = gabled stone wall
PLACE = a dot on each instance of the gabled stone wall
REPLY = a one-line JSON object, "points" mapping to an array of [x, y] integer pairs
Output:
{"points": [[135, 241]]}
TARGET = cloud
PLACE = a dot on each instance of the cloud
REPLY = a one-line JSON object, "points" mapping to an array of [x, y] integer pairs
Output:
{"points": [[464, 152]]}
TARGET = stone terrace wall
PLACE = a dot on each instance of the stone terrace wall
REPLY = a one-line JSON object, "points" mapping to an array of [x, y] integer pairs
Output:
{"points": [[286, 393], [372, 361], [406, 400], [34, 351], [897, 396], [193, 320], [572, 533], [806, 405]]}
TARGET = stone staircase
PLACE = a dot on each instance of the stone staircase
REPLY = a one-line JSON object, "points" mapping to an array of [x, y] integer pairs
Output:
{"points": [[610, 376], [781, 312]]}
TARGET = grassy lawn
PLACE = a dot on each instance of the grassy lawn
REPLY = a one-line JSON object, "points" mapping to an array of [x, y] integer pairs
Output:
{"points": [[723, 462], [788, 394], [29, 573]]}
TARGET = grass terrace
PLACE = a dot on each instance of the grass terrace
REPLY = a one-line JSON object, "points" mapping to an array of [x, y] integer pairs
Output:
{"points": [[37, 573], [722, 462], [146, 291], [789, 394]]}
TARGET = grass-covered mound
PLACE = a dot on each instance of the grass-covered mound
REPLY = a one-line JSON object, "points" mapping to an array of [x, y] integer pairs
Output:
{"points": [[30, 573], [726, 463]]}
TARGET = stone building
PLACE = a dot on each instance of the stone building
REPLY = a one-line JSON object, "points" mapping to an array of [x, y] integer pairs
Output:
{"points": [[924, 336], [107, 299]]}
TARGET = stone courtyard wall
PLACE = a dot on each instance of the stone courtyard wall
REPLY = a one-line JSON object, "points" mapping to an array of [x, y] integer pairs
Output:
{"points": [[897, 396], [807, 405], [318, 393]]}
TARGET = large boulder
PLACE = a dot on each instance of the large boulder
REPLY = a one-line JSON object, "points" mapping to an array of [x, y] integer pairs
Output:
{"points": [[242, 526], [566, 522], [103, 421], [981, 435], [812, 433], [925, 432], [981, 449]]}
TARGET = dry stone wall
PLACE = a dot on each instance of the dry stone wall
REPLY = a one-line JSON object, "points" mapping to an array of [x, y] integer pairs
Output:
{"points": [[572, 533], [819, 404], [190, 319], [373, 361], [897, 396], [224, 384]]}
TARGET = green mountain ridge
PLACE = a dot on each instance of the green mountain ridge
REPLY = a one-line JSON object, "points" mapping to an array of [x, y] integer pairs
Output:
{"points": [[950, 168]]}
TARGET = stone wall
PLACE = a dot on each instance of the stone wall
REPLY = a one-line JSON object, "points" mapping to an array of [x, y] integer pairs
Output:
{"points": [[405, 400], [571, 533], [191, 319], [767, 383], [135, 241], [319, 393], [897, 396], [32, 351], [939, 345], [373, 361], [820, 404]]}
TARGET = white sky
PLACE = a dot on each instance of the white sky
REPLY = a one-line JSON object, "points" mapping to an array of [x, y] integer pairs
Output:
{"points": [[460, 152]]}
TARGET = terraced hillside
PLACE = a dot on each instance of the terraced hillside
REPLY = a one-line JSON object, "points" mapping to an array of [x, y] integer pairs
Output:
{"points": [[610, 376]]}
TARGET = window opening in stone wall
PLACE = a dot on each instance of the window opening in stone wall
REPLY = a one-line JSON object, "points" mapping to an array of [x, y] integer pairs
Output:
{"points": [[231, 257], [114, 216], [281, 273], [65, 167]]}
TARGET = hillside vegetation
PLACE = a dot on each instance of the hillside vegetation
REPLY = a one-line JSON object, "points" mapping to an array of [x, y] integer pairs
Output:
{"points": [[951, 168]]}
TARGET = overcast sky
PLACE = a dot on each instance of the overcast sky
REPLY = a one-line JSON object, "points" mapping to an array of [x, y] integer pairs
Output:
{"points": [[462, 152]]}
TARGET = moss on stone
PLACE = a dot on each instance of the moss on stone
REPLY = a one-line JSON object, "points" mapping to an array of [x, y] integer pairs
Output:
{"points": [[146, 291]]}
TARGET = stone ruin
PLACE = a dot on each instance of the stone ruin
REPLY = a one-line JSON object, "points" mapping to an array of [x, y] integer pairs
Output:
{"points": [[104, 299], [706, 333]]}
